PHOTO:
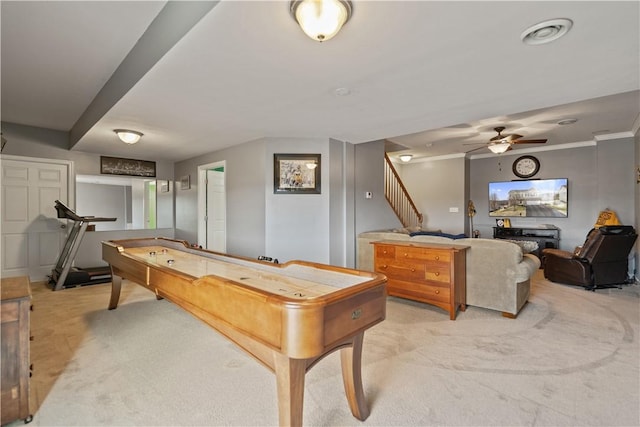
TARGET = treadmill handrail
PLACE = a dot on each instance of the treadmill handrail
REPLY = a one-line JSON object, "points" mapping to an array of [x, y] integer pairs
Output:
{"points": [[65, 212]]}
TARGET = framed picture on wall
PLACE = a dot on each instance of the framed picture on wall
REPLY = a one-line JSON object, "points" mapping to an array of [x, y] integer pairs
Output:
{"points": [[132, 167], [296, 174], [185, 182]]}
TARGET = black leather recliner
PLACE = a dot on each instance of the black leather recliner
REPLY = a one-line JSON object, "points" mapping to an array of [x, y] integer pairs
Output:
{"points": [[600, 262]]}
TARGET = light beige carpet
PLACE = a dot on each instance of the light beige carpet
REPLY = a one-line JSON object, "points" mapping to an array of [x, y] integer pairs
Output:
{"points": [[571, 358]]}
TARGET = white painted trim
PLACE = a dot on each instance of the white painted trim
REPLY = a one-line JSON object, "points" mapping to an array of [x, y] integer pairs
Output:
{"points": [[202, 196], [609, 136], [636, 125], [435, 158]]}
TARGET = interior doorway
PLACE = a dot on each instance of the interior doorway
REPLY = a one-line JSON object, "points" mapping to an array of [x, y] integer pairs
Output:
{"points": [[32, 234], [212, 206]]}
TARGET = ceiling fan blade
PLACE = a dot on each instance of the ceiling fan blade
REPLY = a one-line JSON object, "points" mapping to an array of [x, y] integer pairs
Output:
{"points": [[474, 143], [529, 141], [475, 149], [512, 137]]}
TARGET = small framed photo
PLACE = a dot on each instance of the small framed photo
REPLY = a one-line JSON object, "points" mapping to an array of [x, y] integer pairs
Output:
{"points": [[164, 186], [185, 182], [296, 174]]}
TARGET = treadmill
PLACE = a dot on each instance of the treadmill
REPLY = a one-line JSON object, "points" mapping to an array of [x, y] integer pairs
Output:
{"points": [[64, 275]]}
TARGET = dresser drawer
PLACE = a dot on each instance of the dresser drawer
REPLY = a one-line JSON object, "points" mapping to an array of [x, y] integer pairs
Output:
{"points": [[430, 273], [418, 291], [400, 270], [438, 271], [423, 254], [385, 252]]}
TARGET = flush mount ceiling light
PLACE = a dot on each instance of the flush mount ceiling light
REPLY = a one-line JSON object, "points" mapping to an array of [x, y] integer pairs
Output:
{"points": [[128, 136], [567, 122], [546, 31], [499, 147], [406, 157], [321, 19]]}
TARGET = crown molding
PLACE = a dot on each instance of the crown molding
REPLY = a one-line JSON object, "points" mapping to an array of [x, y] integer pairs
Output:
{"points": [[609, 136]]}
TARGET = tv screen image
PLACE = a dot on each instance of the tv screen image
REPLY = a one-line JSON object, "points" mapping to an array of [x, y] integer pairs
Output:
{"points": [[529, 198]]}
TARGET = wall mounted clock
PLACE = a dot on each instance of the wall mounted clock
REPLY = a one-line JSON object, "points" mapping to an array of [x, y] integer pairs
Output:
{"points": [[526, 166]]}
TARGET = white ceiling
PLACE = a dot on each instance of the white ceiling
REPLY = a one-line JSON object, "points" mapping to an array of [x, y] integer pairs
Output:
{"points": [[420, 73]]}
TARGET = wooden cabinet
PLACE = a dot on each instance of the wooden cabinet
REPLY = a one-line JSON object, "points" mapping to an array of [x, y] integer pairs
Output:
{"points": [[430, 273], [16, 304]]}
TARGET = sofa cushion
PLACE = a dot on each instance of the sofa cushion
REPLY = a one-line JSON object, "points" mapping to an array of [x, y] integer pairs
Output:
{"points": [[438, 233]]}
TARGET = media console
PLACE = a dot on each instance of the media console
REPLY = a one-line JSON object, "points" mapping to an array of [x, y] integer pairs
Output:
{"points": [[546, 236]]}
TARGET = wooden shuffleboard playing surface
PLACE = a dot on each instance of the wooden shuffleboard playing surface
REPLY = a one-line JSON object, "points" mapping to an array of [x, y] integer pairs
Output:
{"points": [[287, 316], [292, 281]]}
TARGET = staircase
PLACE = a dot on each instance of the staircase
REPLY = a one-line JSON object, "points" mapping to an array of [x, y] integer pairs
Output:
{"points": [[398, 197]]}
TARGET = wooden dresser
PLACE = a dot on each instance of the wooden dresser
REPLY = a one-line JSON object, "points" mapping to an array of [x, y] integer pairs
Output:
{"points": [[426, 272], [16, 304]]}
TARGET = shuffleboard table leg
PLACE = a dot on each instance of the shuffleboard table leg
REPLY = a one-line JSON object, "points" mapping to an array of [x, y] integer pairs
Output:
{"points": [[116, 284], [351, 360], [290, 382]]}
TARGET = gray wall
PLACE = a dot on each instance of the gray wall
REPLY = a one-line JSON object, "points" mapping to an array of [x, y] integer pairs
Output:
{"points": [[600, 176], [374, 213], [107, 201], [437, 187], [52, 144], [245, 181], [35, 142]]}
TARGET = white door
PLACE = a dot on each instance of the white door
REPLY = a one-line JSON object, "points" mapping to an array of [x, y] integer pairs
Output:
{"points": [[216, 211], [32, 234]]}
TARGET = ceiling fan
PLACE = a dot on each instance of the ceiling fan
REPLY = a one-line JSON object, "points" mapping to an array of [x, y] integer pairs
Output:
{"points": [[501, 143]]}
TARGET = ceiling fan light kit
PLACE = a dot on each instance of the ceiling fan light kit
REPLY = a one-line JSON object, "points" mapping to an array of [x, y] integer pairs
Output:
{"points": [[547, 31], [499, 147], [321, 19], [501, 143]]}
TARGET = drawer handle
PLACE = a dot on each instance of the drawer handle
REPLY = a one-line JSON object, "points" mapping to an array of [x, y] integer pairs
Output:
{"points": [[384, 252], [437, 292], [437, 257], [383, 266], [413, 270], [406, 254], [437, 273]]}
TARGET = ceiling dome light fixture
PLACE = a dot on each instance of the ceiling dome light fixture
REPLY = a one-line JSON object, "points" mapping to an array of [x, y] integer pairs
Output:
{"points": [[128, 136], [546, 31], [567, 122], [499, 147], [406, 157], [321, 19]]}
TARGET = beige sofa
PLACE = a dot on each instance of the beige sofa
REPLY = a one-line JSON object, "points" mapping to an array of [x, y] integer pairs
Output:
{"points": [[498, 273]]}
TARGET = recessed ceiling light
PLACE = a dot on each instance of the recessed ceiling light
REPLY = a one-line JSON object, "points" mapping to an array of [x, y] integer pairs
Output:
{"points": [[546, 31], [343, 91], [567, 122]]}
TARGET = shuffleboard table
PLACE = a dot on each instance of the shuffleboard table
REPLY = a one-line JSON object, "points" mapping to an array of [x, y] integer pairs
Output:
{"points": [[287, 316]]}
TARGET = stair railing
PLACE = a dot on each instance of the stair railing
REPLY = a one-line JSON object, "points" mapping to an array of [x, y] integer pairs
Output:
{"points": [[398, 196]]}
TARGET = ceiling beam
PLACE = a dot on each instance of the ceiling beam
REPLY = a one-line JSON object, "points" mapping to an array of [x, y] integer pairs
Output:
{"points": [[175, 20]]}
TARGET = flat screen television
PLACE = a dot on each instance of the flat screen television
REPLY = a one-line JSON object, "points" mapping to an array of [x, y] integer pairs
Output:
{"points": [[529, 198]]}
